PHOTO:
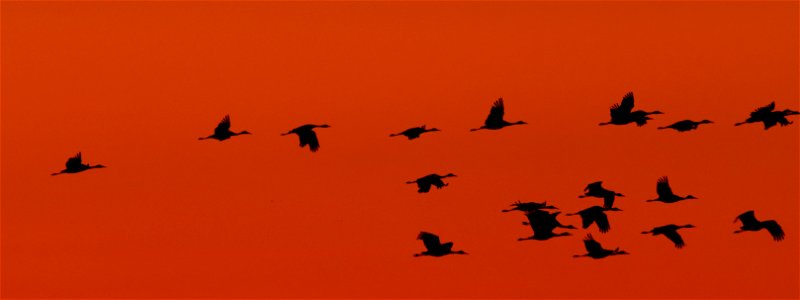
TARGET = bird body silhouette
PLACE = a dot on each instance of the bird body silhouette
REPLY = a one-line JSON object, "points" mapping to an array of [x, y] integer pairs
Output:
{"points": [[596, 215], [434, 247], [622, 113], [307, 135], [671, 232], [424, 183], [528, 206], [685, 125], [750, 223], [665, 192], [75, 165], [415, 132], [223, 130], [596, 251], [769, 116], [596, 189], [543, 223], [495, 119]]}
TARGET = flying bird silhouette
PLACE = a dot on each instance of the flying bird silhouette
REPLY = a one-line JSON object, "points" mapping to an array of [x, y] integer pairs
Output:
{"points": [[415, 132], [424, 183], [307, 135], [433, 247], [529, 206], [595, 189], [665, 192], [597, 215], [750, 223], [671, 232], [685, 125], [495, 119], [223, 130], [596, 251], [543, 223], [769, 117], [75, 165], [622, 113]]}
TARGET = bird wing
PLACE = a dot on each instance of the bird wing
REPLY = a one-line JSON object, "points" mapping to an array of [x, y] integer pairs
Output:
{"points": [[761, 111], [430, 240], [437, 181], [496, 112], [423, 185], [676, 238], [591, 245], [592, 186], [623, 108], [748, 217], [74, 162], [608, 199], [224, 126], [602, 222], [774, 229], [662, 188], [313, 142], [586, 220]]}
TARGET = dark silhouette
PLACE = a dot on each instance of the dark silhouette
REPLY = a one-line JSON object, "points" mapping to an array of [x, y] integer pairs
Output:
{"points": [[413, 133], [434, 247], [671, 232], [750, 223], [529, 206], [622, 114], [424, 183], [665, 192], [495, 119], [223, 130], [597, 215], [596, 251], [595, 189], [307, 135], [769, 117], [685, 125], [543, 223], [75, 165]]}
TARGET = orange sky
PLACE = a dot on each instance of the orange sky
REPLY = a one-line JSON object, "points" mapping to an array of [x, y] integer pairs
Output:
{"points": [[133, 84]]}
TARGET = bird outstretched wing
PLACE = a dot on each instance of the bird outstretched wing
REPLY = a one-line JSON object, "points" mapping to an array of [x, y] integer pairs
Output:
{"points": [[774, 229], [593, 185], [586, 220], [676, 238], [608, 199], [624, 107], [74, 162], [224, 126], [591, 245], [763, 111], [496, 112], [662, 188], [423, 186], [748, 217], [430, 240], [311, 139], [602, 222]]}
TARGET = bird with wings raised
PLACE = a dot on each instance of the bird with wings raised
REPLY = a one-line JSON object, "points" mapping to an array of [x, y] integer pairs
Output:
{"points": [[596, 189], [769, 116], [665, 193], [596, 251], [750, 223], [434, 247], [622, 113], [307, 135], [414, 132], [424, 183], [75, 164], [223, 130], [495, 119], [671, 232]]}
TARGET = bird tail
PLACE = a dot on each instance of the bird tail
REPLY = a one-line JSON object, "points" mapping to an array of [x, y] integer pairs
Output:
{"points": [[740, 123]]}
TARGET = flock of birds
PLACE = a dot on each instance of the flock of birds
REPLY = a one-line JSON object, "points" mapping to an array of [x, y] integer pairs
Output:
{"points": [[541, 220]]}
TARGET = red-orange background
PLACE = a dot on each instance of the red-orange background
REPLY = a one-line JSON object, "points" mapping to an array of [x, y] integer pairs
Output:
{"points": [[133, 84]]}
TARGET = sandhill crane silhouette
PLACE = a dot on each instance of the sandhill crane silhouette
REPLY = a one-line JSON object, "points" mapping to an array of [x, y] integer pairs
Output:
{"points": [[307, 135], [597, 215], [671, 232], [685, 125], [424, 183], [495, 119], [595, 189], [415, 132], [75, 165], [769, 117], [750, 223], [622, 114], [543, 223], [223, 130], [434, 247], [596, 251], [665, 192], [529, 206]]}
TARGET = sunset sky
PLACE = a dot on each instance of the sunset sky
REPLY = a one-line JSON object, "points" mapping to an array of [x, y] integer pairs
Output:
{"points": [[132, 85]]}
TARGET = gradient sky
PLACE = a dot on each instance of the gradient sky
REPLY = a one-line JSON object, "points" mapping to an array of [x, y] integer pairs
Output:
{"points": [[133, 84]]}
